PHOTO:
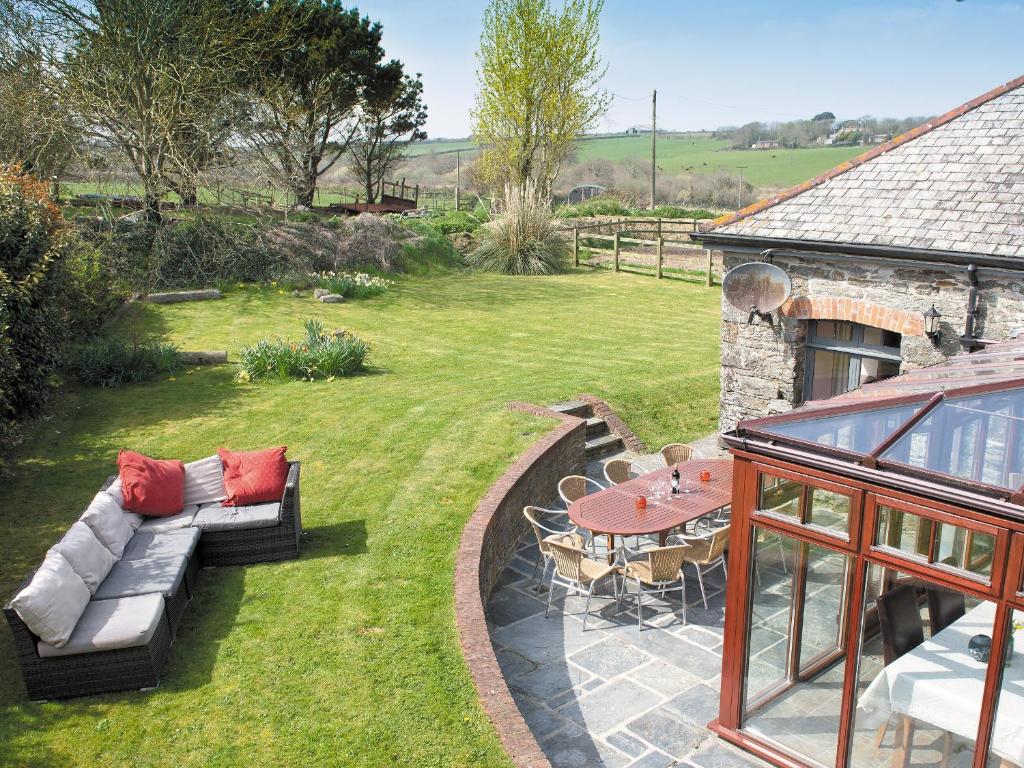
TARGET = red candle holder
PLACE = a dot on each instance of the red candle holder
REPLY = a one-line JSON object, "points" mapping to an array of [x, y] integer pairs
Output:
{"points": [[705, 475], [641, 503]]}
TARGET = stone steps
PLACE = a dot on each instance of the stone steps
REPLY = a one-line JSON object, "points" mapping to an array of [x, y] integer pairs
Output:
{"points": [[596, 427], [576, 408], [597, 447]]}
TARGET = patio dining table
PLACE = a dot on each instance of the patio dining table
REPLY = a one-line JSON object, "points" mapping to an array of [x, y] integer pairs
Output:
{"points": [[613, 511]]}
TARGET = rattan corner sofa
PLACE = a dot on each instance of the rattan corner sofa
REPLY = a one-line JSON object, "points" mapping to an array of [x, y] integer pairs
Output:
{"points": [[123, 638]]}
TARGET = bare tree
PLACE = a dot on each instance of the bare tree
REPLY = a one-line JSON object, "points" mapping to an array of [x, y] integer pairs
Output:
{"points": [[150, 79], [391, 118], [39, 134]]}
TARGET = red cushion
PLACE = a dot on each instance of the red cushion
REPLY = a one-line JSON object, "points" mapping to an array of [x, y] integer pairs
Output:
{"points": [[151, 486], [251, 477]]}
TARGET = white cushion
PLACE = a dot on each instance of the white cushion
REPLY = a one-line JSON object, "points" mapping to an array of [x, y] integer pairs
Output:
{"points": [[108, 522], [108, 625], [115, 491], [53, 601], [204, 481], [170, 523], [85, 554]]}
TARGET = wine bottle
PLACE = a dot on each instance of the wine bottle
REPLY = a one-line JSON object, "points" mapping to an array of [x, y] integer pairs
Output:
{"points": [[675, 479]]}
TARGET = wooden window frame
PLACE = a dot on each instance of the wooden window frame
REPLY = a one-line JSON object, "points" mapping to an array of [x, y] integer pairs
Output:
{"points": [[817, 534], [990, 587], [1007, 593]]}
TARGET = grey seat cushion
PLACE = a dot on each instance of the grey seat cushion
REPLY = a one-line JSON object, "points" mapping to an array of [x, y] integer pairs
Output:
{"points": [[214, 517], [111, 624], [162, 575], [170, 523], [147, 544]]}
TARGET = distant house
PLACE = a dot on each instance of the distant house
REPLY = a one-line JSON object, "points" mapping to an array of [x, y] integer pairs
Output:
{"points": [[765, 144], [934, 217]]}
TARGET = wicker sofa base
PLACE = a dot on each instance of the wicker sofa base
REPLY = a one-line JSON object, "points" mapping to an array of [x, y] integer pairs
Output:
{"points": [[259, 545], [87, 674]]}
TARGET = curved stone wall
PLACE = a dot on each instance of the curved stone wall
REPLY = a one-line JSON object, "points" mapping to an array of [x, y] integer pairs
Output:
{"points": [[488, 542]]}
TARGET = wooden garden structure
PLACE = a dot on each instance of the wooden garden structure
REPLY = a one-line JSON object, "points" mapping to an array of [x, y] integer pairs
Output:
{"points": [[909, 488]]}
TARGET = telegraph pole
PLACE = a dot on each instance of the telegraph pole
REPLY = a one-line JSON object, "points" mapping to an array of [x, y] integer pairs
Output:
{"points": [[654, 140], [739, 188], [458, 176]]}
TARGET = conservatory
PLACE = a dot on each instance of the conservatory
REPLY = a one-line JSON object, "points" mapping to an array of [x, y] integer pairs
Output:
{"points": [[875, 574]]}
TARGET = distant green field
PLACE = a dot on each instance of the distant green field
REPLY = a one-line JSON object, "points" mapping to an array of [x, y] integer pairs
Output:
{"points": [[425, 148], [685, 153]]}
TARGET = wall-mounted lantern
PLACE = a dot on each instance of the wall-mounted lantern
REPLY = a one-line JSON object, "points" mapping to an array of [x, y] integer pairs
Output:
{"points": [[931, 325]]}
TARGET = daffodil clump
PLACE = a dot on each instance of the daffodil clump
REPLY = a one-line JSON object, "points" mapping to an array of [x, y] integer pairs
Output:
{"points": [[319, 355], [351, 285]]}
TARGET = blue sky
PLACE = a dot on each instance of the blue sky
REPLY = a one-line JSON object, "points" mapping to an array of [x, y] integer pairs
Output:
{"points": [[730, 62]]}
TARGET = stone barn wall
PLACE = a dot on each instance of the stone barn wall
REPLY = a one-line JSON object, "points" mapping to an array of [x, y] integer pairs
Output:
{"points": [[763, 365]]}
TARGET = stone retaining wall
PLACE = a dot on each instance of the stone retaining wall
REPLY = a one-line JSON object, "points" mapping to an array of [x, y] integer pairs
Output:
{"points": [[488, 543]]}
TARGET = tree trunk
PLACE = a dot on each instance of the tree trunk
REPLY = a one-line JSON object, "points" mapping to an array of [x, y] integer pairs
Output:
{"points": [[151, 207]]}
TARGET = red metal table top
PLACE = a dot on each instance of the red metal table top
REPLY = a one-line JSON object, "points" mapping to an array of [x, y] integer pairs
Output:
{"points": [[614, 511]]}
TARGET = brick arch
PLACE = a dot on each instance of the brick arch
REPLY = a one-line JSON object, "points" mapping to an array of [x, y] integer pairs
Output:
{"points": [[855, 311]]}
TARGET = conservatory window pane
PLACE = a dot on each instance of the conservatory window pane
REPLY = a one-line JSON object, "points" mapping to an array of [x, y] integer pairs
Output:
{"points": [[780, 496], [860, 431], [904, 531], [979, 438], [1007, 747], [829, 510]]}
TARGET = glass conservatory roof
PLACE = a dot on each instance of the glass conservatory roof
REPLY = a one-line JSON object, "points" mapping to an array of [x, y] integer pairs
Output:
{"points": [[962, 419]]}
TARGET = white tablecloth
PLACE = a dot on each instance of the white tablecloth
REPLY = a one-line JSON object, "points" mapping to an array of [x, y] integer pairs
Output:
{"points": [[941, 684]]}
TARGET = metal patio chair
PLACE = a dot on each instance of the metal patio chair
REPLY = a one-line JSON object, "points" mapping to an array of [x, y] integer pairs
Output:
{"points": [[544, 532], [676, 453], [618, 471], [705, 553], [659, 572], [578, 573]]}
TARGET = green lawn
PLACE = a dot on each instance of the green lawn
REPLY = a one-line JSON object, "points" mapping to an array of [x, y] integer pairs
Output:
{"points": [[349, 655]]}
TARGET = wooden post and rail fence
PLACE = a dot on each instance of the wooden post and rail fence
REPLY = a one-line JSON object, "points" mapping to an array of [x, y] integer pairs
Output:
{"points": [[664, 231]]}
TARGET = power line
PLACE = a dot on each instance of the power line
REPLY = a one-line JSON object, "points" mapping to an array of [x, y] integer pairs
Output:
{"points": [[710, 103]]}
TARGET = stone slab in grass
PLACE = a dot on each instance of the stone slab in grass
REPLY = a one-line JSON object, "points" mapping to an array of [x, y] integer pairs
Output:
{"points": [[174, 297], [332, 298], [207, 357]]}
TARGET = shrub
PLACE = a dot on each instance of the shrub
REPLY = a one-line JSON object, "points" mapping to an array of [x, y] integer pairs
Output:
{"points": [[318, 356], [523, 239], [32, 318], [351, 285], [596, 206], [104, 362], [455, 222], [365, 241], [607, 205]]}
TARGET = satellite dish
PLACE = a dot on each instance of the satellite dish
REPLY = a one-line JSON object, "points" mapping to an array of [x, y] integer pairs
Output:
{"points": [[757, 287]]}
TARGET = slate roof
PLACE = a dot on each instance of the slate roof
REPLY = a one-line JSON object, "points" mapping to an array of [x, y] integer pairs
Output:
{"points": [[953, 184]]}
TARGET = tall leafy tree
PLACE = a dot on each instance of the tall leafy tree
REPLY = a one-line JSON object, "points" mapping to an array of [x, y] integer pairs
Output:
{"points": [[306, 95], [152, 79], [392, 117], [538, 87]]}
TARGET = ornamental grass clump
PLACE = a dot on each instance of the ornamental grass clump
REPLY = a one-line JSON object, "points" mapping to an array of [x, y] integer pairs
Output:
{"points": [[319, 355], [103, 362], [522, 240], [351, 285]]}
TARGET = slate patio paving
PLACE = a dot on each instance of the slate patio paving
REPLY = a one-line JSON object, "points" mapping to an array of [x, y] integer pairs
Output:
{"points": [[613, 696]]}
